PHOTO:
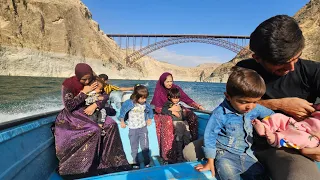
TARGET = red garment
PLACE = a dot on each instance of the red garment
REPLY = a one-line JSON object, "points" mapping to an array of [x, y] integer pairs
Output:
{"points": [[165, 133], [73, 83]]}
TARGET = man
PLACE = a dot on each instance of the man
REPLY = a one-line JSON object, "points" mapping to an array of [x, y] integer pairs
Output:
{"points": [[293, 85]]}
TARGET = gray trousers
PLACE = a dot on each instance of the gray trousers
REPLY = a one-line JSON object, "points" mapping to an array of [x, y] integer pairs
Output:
{"points": [[281, 164], [139, 136]]}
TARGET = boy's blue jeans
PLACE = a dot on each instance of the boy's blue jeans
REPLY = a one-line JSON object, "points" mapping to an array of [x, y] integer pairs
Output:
{"points": [[231, 166]]}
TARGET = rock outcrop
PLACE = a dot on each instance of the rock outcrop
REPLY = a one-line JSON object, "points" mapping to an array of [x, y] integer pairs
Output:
{"points": [[48, 37]]}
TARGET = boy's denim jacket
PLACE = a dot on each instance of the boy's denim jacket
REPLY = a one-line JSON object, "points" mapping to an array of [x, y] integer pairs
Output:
{"points": [[228, 130], [128, 105]]}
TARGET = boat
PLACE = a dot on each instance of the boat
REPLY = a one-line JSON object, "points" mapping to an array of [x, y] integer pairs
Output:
{"points": [[28, 151]]}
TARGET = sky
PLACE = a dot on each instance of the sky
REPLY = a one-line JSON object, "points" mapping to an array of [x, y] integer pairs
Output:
{"points": [[215, 17]]}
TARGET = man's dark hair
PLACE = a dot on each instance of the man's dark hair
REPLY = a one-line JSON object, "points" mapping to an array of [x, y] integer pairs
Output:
{"points": [[277, 39], [173, 93], [104, 76], [244, 82]]}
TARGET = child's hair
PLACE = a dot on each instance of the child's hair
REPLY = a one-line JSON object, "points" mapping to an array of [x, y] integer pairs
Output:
{"points": [[244, 82], [104, 76], [173, 93], [138, 92], [99, 80]]}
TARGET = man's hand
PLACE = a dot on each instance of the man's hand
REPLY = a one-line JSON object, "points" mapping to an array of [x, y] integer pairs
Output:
{"points": [[313, 153], [298, 108], [208, 166]]}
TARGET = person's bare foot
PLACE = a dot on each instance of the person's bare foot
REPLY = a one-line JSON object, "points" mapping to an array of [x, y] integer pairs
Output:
{"points": [[258, 126], [271, 137]]}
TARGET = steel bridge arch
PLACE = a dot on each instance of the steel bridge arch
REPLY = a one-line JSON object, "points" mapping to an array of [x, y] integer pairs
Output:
{"points": [[130, 59]]}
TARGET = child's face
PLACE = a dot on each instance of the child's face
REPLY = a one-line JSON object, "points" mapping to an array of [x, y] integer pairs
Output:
{"points": [[99, 87], [142, 100], [175, 100], [242, 104]]}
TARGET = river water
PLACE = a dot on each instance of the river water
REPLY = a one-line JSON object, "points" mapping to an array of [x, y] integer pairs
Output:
{"points": [[25, 96]]}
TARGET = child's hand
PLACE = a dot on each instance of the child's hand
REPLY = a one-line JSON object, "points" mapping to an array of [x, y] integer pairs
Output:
{"points": [[122, 124], [100, 98], [177, 114], [208, 166], [149, 122]]}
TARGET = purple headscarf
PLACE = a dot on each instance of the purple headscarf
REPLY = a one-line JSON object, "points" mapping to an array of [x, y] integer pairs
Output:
{"points": [[161, 92], [73, 83]]}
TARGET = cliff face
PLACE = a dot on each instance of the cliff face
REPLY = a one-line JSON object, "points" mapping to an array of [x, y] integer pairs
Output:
{"points": [[308, 18], [48, 37]]}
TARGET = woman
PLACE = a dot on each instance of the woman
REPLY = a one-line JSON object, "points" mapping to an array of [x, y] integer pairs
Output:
{"points": [[80, 147], [164, 123]]}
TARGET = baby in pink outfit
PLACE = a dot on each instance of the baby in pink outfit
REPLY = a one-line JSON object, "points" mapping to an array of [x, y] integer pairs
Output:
{"points": [[283, 131]]}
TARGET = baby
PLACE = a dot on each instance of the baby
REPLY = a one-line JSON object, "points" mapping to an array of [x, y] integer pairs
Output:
{"points": [[96, 95], [283, 131]]}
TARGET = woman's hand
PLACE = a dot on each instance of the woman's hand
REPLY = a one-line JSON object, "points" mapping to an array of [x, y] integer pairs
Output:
{"points": [[176, 114], [175, 107], [313, 153], [296, 107], [90, 109], [90, 88], [201, 108], [208, 166]]}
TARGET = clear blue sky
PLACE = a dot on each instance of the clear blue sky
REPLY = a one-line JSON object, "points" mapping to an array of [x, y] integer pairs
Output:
{"points": [[225, 17]]}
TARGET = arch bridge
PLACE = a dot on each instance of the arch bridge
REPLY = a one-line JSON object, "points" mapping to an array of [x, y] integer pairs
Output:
{"points": [[143, 44]]}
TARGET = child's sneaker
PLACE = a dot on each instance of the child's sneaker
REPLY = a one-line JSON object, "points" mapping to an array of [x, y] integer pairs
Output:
{"points": [[135, 166]]}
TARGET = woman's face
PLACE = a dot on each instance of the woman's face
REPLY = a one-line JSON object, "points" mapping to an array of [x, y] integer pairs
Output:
{"points": [[168, 82], [86, 79]]}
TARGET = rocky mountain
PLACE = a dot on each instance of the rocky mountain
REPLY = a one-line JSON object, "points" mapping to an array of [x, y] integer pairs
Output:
{"points": [[48, 37], [308, 18]]}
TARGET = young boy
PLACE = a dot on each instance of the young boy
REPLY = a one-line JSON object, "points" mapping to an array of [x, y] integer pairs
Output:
{"points": [[108, 88], [181, 127], [228, 135]]}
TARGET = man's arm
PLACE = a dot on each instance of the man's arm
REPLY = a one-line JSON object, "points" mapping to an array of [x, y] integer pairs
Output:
{"points": [[296, 107], [270, 103]]}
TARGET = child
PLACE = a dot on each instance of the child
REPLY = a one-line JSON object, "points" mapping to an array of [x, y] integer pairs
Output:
{"points": [[283, 131], [108, 88], [138, 114], [228, 135], [181, 127], [96, 95]]}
